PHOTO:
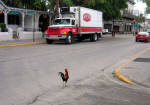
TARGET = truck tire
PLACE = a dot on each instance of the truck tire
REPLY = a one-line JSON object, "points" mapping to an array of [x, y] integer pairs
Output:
{"points": [[98, 36], [49, 41], [94, 37], [69, 39]]}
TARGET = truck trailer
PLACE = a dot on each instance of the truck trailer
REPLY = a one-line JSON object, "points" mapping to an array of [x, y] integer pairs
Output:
{"points": [[75, 23]]}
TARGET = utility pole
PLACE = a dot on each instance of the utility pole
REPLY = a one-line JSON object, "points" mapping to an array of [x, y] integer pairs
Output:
{"points": [[34, 27], [57, 8], [113, 30]]}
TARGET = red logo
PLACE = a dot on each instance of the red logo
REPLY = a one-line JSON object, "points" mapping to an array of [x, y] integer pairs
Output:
{"points": [[86, 17]]}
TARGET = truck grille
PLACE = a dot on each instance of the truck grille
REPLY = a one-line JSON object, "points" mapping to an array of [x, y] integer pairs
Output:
{"points": [[54, 29]]}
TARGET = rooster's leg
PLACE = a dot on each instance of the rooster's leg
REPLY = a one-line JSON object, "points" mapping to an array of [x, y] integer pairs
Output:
{"points": [[65, 84]]}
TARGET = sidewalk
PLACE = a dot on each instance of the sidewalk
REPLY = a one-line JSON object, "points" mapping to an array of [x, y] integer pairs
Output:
{"points": [[138, 71], [41, 40], [21, 42]]}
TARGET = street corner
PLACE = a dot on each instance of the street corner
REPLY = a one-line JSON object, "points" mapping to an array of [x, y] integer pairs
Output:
{"points": [[137, 67], [124, 78], [138, 70]]}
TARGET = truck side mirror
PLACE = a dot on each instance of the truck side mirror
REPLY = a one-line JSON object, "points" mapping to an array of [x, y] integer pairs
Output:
{"points": [[73, 22]]}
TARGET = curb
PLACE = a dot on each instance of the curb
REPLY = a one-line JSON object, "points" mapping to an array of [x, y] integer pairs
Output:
{"points": [[121, 76], [14, 45]]}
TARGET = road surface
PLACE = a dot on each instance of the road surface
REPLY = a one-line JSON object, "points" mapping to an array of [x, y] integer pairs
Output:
{"points": [[29, 74]]}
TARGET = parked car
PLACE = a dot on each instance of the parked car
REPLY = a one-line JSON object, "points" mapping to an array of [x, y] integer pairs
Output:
{"points": [[105, 31], [142, 36]]}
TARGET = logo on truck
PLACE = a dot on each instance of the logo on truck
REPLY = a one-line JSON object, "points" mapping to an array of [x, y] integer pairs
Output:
{"points": [[86, 17]]}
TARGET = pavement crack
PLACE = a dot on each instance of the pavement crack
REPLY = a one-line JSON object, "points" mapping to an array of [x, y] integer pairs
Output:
{"points": [[34, 100]]}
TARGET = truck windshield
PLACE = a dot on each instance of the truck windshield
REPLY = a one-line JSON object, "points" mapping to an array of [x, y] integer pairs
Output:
{"points": [[62, 21]]}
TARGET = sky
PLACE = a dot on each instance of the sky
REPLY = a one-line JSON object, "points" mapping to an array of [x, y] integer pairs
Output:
{"points": [[140, 6]]}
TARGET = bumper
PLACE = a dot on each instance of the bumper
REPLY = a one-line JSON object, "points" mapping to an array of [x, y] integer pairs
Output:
{"points": [[142, 39], [55, 37]]}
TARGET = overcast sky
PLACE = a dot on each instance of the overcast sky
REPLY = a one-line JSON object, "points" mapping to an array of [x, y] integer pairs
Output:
{"points": [[140, 6]]}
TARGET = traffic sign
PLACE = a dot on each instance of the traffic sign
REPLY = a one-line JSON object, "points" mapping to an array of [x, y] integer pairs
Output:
{"points": [[134, 20]]}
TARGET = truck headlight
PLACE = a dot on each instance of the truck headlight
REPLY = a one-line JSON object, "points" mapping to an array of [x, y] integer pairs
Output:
{"points": [[63, 33]]}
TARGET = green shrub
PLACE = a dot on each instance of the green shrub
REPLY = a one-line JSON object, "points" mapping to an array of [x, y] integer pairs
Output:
{"points": [[3, 27]]}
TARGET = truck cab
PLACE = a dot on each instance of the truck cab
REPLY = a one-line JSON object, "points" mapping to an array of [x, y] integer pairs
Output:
{"points": [[60, 30]]}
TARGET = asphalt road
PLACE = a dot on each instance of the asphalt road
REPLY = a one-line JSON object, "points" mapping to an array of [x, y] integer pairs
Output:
{"points": [[29, 74]]}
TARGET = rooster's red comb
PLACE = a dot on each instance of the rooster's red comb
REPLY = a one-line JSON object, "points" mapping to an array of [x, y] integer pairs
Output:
{"points": [[66, 70]]}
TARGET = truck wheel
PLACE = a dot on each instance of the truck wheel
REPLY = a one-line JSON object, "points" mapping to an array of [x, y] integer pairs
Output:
{"points": [[100, 35], [94, 38], [69, 39], [49, 41]]}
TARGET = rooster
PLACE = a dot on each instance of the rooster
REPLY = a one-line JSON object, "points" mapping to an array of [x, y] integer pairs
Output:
{"points": [[64, 77]]}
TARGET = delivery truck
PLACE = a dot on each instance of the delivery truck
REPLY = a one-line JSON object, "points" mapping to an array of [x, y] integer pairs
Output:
{"points": [[75, 23]]}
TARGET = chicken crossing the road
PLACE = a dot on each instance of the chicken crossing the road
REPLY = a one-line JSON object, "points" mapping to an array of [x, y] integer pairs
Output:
{"points": [[64, 77]]}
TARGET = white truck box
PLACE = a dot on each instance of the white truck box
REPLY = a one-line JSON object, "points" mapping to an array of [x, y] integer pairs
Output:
{"points": [[95, 17]]}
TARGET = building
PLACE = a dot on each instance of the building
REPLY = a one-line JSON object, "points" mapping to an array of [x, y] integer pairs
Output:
{"points": [[126, 24], [22, 23]]}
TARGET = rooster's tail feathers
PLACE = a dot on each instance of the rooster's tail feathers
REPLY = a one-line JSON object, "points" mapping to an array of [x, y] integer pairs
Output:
{"points": [[61, 75]]}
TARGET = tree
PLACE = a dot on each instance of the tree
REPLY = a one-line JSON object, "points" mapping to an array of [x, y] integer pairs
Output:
{"points": [[28, 4], [39, 5], [13, 3], [140, 18]]}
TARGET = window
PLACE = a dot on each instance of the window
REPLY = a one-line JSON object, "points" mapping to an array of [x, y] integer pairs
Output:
{"points": [[62, 22], [1, 18], [13, 19]]}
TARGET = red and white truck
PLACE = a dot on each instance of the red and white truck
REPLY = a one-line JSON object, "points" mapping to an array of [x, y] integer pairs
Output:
{"points": [[75, 23]]}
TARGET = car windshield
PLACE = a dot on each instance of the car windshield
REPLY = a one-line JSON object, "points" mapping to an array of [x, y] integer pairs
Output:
{"points": [[62, 22], [143, 33]]}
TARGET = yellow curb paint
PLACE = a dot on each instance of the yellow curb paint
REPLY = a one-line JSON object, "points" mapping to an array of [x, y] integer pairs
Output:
{"points": [[122, 77], [13, 45]]}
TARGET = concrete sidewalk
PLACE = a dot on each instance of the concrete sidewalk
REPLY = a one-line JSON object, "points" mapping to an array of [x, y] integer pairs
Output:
{"points": [[10, 43], [138, 70]]}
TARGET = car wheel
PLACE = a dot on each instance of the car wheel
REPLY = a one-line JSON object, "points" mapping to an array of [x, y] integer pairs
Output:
{"points": [[146, 41]]}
